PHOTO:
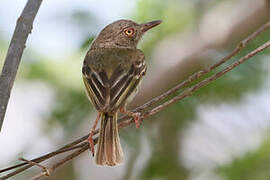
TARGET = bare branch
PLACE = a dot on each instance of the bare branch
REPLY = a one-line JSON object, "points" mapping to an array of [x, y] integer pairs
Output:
{"points": [[45, 171], [83, 146], [199, 74], [43, 158], [125, 121], [189, 91], [15, 51], [61, 162]]}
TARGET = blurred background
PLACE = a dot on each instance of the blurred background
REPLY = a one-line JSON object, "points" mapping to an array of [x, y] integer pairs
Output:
{"points": [[221, 132]]}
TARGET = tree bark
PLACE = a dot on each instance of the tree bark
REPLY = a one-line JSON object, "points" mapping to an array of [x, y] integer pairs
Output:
{"points": [[22, 30]]}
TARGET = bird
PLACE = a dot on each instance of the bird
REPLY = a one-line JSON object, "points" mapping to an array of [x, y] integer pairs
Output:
{"points": [[112, 71]]}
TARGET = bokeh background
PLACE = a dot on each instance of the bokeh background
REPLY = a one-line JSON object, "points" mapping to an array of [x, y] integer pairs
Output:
{"points": [[221, 132]]}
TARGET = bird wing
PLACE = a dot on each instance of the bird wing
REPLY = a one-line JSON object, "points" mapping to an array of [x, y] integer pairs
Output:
{"points": [[112, 75]]}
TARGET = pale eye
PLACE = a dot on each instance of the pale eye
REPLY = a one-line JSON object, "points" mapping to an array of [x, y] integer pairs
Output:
{"points": [[129, 32]]}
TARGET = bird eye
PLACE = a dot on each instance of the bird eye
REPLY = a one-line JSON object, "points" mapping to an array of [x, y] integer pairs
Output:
{"points": [[129, 32]]}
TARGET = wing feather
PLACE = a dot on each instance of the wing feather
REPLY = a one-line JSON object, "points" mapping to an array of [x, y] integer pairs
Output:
{"points": [[108, 94]]}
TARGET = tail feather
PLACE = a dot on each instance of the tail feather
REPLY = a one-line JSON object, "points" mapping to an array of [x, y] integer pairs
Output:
{"points": [[109, 148]]}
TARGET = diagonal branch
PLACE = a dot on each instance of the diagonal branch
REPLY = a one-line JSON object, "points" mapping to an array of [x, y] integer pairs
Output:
{"points": [[125, 121], [43, 158], [23, 29], [189, 91], [61, 162], [201, 73]]}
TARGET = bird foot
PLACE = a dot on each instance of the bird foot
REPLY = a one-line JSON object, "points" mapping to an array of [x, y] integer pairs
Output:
{"points": [[136, 116], [91, 143], [92, 132]]}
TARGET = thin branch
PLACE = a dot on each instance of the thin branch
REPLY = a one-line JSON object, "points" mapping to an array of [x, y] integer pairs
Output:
{"points": [[23, 29], [199, 74], [45, 171], [183, 94], [191, 90], [39, 159], [71, 156], [48, 171]]}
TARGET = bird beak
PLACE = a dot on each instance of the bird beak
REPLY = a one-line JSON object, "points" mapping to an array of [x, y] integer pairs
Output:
{"points": [[149, 25]]}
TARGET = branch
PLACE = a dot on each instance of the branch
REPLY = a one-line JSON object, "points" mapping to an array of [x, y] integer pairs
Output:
{"points": [[201, 73], [48, 171], [125, 121], [194, 47], [22, 30], [189, 91], [45, 157]]}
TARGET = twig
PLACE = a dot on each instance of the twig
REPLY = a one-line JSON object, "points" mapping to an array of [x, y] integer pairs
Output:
{"points": [[199, 74], [189, 91], [48, 171], [15, 51], [38, 160], [38, 176], [185, 93], [71, 156], [45, 171]]}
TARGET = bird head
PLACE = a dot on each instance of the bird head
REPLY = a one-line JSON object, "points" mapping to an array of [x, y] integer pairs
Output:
{"points": [[122, 34]]}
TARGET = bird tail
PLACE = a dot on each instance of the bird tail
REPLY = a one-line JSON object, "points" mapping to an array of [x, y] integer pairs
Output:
{"points": [[109, 150]]}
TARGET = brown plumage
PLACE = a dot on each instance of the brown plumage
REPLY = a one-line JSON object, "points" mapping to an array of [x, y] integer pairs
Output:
{"points": [[112, 71]]}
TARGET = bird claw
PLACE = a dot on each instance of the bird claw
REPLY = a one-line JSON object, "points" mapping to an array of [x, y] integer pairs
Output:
{"points": [[91, 144], [137, 119], [136, 116], [92, 132]]}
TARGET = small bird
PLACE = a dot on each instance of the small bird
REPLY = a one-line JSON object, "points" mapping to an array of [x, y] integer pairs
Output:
{"points": [[112, 70]]}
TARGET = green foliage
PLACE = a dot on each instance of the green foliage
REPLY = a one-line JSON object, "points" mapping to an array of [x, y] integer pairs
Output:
{"points": [[247, 77], [86, 23], [253, 165], [164, 161], [86, 44], [231, 87], [165, 167], [71, 104], [80, 18], [70, 108], [176, 16], [234, 85]]}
